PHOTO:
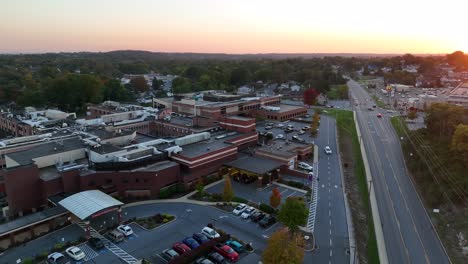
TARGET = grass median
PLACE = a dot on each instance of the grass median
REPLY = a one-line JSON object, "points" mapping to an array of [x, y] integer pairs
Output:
{"points": [[356, 184]]}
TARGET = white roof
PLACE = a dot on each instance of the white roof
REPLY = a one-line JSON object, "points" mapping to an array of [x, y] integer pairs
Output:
{"points": [[84, 204]]}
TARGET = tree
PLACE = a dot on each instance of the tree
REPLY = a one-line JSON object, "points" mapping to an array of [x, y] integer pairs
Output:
{"points": [[412, 114], [442, 119], [293, 213], [156, 84], [275, 198], [239, 76], [115, 91], [228, 192], [181, 85], [460, 143], [200, 187], [139, 83], [282, 248], [310, 96]]}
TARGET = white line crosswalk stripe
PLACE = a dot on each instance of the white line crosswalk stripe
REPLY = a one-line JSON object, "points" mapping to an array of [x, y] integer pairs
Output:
{"points": [[89, 252]]}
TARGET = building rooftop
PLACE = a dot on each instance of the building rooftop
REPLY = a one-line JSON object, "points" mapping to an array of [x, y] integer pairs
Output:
{"points": [[282, 147], [158, 166], [86, 203], [254, 164], [286, 108], [25, 157], [21, 222], [206, 146], [460, 90]]}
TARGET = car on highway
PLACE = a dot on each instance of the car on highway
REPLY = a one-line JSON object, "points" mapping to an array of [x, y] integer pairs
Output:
{"points": [[192, 243], [379, 115], [280, 136], [57, 258], [247, 213], [257, 216], [370, 109], [200, 238], [217, 258], [125, 230], [267, 221], [305, 166], [180, 248], [227, 252], [327, 150], [235, 245], [374, 106], [96, 243], [169, 254], [210, 233], [239, 209]]}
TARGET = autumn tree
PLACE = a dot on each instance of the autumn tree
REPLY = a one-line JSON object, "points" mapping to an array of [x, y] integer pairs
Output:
{"points": [[275, 198], [139, 83], [228, 192], [310, 96], [412, 114], [293, 213], [282, 248]]}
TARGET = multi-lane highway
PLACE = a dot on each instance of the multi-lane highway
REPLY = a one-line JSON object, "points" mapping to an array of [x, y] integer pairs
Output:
{"points": [[408, 232]]}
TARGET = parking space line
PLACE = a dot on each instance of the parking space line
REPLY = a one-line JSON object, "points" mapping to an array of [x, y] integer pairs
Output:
{"points": [[271, 226], [165, 261], [291, 194]]}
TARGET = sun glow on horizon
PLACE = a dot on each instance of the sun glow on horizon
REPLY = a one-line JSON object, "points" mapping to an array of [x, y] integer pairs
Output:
{"points": [[242, 26]]}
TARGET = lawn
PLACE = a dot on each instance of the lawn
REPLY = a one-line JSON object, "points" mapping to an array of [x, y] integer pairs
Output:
{"points": [[347, 133]]}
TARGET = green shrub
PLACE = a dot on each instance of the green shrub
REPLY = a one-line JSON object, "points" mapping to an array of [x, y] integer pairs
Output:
{"points": [[240, 200], [267, 209], [165, 220], [58, 246], [27, 261]]}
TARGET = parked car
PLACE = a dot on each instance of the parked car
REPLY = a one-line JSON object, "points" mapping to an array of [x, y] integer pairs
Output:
{"points": [[239, 209], [200, 238], [75, 253], [217, 258], [257, 216], [267, 221], [203, 261], [115, 236], [227, 252], [192, 243], [169, 254], [301, 132], [379, 115], [180, 248], [289, 130], [247, 212], [96, 243], [210, 233], [57, 258], [235, 245], [305, 166], [268, 127], [327, 150], [297, 138], [125, 230], [280, 125], [280, 136], [306, 128]]}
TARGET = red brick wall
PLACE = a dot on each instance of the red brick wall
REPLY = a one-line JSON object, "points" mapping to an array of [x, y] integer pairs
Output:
{"points": [[51, 187], [71, 181], [23, 189]]}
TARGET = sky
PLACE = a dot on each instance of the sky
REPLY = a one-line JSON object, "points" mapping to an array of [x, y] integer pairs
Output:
{"points": [[234, 26]]}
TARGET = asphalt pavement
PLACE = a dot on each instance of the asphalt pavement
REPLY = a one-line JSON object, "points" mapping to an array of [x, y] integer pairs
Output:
{"points": [[408, 232]]}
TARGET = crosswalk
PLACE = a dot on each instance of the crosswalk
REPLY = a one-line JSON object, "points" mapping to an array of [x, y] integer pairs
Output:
{"points": [[89, 252], [313, 204], [109, 245]]}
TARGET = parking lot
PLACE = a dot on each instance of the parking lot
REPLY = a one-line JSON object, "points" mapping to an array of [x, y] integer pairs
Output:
{"points": [[254, 194]]}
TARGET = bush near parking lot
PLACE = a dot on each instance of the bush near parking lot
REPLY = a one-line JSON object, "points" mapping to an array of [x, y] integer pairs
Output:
{"points": [[267, 209], [295, 184], [167, 192], [200, 251], [238, 199], [154, 221]]}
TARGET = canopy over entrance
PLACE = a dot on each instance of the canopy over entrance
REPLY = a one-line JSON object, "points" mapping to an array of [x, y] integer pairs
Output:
{"points": [[254, 165], [90, 203]]}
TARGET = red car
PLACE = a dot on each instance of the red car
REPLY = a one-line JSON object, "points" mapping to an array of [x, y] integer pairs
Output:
{"points": [[180, 248], [227, 252], [379, 115]]}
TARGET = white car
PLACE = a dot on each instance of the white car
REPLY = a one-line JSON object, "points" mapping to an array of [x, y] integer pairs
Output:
{"points": [[280, 136], [75, 253], [57, 258], [280, 126], [305, 166], [328, 150], [301, 132], [247, 212], [210, 233], [239, 209], [125, 230]]}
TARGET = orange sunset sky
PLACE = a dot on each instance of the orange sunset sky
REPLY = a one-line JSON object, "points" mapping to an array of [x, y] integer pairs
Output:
{"points": [[241, 26]]}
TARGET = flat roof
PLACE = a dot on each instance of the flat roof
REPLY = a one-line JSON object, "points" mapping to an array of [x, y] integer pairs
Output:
{"points": [[84, 204], [283, 147], [25, 157], [461, 89], [30, 219], [286, 108], [158, 166], [254, 164], [206, 146]]}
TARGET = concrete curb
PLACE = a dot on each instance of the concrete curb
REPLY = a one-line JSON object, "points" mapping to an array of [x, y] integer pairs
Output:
{"points": [[290, 187], [150, 230], [351, 239], [373, 200]]}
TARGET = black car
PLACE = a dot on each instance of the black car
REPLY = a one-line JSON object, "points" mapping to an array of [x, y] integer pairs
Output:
{"points": [[267, 221], [257, 216], [169, 254], [96, 243], [217, 258], [200, 238]]}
